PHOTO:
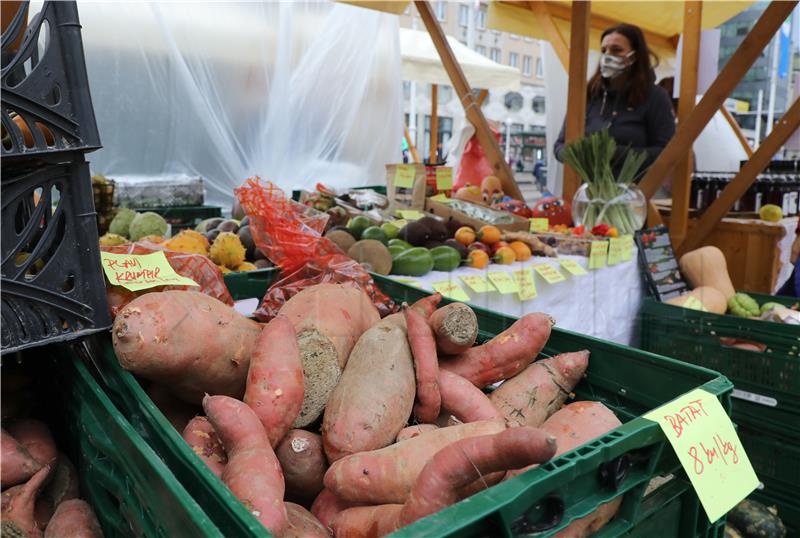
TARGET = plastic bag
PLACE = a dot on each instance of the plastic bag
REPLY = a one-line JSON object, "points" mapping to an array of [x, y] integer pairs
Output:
{"points": [[474, 165], [290, 235], [195, 266]]}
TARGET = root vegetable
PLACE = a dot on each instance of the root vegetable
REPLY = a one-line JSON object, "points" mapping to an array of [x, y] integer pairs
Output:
{"points": [[199, 434], [505, 355], [74, 519], [375, 395], [414, 431], [386, 476], [303, 524], [303, 462], [427, 305], [252, 473], [455, 327], [275, 379], [426, 365], [62, 486], [177, 412], [35, 436], [540, 390], [186, 340], [327, 506], [464, 400], [329, 319], [367, 521], [18, 507], [17, 464]]}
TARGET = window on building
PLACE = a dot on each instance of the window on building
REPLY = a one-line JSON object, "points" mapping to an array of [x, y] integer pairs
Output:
{"points": [[539, 68], [444, 133], [482, 17], [480, 49], [513, 101], [538, 104], [526, 66], [742, 30], [513, 59], [517, 128], [463, 15], [445, 94], [494, 54], [441, 11]]}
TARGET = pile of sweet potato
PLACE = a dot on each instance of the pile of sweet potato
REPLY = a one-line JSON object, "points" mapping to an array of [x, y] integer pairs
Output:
{"points": [[331, 421]]}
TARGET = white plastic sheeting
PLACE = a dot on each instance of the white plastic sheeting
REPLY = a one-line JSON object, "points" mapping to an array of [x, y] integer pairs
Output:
{"points": [[295, 92]]}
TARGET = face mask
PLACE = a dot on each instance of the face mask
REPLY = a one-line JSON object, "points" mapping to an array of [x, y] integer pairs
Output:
{"points": [[613, 66]]}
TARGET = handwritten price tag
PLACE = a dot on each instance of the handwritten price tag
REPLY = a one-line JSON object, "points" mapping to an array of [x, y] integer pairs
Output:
{"points": [[573, 267], [598, 254], [451, 290], [410, 214], [441, 198], [408, 282], [539, 225], [527, 287], [549, 273], [141, 271], [708, 448], [503, 282], [404, 176], [627, 247], [444, 178], [477, 283], [616, 246]]}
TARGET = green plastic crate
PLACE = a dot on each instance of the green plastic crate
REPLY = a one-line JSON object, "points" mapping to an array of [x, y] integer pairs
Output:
{"points": [[249, 284], [131, 490], [785, 500], [774, 458], [185, 217]]}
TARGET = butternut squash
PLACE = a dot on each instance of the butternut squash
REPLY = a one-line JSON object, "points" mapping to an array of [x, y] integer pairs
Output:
{"points": [[711, 298], [706, 266]]}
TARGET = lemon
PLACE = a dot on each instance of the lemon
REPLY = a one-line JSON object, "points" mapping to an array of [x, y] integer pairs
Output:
{"points": [[770, 213]]}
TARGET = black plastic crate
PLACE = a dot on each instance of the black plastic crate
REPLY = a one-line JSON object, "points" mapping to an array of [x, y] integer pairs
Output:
{"points": [[52, 283], [46, 104]]}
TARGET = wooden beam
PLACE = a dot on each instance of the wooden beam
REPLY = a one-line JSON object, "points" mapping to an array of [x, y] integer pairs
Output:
{"points": [[471, 108], [653, 215], [784, 128], [576, 94], [410, 143], [737, 131], [551, 30], [741, 61], [434, 140], [690, 60], [482, 97]]}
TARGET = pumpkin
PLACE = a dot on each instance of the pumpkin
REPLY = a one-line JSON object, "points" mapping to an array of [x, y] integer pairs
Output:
{"points": [[711, 298], [706, 266]]}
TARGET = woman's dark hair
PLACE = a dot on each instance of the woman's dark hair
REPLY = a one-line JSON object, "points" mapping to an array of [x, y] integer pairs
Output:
{"points": [[641, 74]]}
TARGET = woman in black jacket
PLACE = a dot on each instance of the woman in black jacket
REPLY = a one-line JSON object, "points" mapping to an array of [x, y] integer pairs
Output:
{"points": [[623, 97]]}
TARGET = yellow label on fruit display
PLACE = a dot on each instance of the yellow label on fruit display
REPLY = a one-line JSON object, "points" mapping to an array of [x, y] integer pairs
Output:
{"points": [[441, 198], [141, 271], [627, 247], [410, 214], [404, 175], [573, 267], [527, 287], [549, 273], [703, 437], [539, 225], [477, 283], [444, 178], [693, 303], [598, 254], [503, 282], [616, 245], [451, 290], [408, 282]]}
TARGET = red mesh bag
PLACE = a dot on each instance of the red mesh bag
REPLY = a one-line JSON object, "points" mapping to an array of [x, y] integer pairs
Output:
{"points": [[195, 266], [290, 235]]}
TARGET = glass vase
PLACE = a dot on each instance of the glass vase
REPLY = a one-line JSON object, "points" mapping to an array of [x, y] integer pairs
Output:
{"points": [[626, 210]]}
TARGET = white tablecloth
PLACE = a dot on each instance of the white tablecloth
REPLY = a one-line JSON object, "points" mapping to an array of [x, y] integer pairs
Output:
{"points": [[603, 303]]}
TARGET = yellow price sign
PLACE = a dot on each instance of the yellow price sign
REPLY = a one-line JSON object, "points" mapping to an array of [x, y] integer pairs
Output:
{"points": [[549, 273], [573, 267], [627, 247], [441, 198], [477, 283], [527, 287], [451, 290], [503, 282], [410, 214], [404, 175], [598, 254], [703, 437], [539, 225], [444, 178], [141, 271], [616, 246], [408, 282]]}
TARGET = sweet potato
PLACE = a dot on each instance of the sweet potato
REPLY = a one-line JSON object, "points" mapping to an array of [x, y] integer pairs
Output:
{"points": [[252, 473], [386, 476], [464, 400], [540, 390], [199, 434], [186, 340], [327, 506], [455, 328], [329, 319], [367, 521], [18, 507], [303, 524], [375, 395], [426, 365], [427, 305], [588, 525], [414, 431], [74, 519], [62, 486], [463, 462], [275, 379], [17, 465], [303, 462], [505, 355], [176, 411], [35, 436]]}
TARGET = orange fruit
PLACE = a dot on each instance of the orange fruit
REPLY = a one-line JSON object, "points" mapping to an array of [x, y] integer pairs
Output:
{"points": [[521, 250], [489, 234], [478, 259], [465, 235], [505, 256]]}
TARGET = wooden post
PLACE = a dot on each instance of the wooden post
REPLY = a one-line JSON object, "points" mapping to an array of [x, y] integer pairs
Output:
{"points": [[741, 61], [737, 131], [554, 35], [471, 108], [410, 143], [482, 97], [690, 59], [434, 140], [576, 94], [785, 128]]}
